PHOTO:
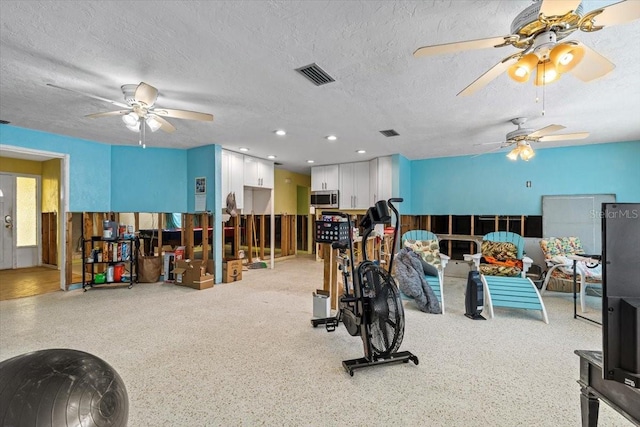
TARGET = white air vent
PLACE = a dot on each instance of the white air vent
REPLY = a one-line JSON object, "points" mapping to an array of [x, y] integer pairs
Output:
{"points": [[389, 132], [315, 74]]}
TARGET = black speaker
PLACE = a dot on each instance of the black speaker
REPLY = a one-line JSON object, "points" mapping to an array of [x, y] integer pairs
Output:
{"points": [[621, 299], [474, 299]]}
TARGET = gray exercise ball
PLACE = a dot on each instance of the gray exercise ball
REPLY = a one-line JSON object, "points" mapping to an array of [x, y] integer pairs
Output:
{"points": [[61, 387]]}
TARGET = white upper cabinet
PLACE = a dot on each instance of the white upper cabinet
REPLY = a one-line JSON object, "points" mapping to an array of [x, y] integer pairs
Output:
{"points": [[354, 185], [325, 178], [258, 172], [232, 177], [380, 179]]}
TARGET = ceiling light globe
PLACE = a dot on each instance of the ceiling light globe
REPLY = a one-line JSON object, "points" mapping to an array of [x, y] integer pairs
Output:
{"points": [[521, 70], [130, 119], [546, 73], [332, 137], [281, 132], [154, 124], [566, 56], [135, 127]]}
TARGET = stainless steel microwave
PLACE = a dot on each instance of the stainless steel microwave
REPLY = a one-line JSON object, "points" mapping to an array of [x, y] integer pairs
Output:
{"points": [[325, 199]]}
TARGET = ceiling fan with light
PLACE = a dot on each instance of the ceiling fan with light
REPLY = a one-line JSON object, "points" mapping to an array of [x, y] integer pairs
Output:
{"points": [[139, 110], [537, 31], [523, 137]]}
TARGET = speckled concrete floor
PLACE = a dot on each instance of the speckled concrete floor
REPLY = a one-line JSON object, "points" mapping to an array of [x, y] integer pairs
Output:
{"points": [[245, 354]]}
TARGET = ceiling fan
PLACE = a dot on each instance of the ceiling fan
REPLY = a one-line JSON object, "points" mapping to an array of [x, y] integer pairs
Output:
{"points": [[537, 31], [523, 137], [139, 110]]}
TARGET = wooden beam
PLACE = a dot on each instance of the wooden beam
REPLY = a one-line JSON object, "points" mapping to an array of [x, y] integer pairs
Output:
{"points": [[68, 245], [236, 236], [249, 237], [428, 222], [284, 235], [187, 235], [160, 227], [522, 225], [449, 243], [473, 224], [262, 234], [496, 222], [136, 221], [204, 223]]}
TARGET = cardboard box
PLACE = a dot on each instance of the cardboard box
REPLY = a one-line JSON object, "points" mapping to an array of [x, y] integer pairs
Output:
{"points": [[321, 304], [170, 259], [197, 274], [232, 270], [178, 275]]}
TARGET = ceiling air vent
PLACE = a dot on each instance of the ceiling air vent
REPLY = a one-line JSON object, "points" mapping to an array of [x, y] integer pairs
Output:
{"points": [[316, 74], [277, 164], [4, 122], [389, 132]]}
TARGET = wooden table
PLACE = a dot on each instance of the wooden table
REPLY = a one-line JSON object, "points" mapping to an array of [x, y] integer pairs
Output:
{"points": [[622, 398]]}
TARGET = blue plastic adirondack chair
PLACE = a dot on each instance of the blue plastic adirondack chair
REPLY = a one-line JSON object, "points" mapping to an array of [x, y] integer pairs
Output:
{"points": [[511, 292], [436, 283]]}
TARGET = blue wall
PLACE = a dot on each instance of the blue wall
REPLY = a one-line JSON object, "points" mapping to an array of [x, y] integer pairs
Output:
{"points": [[201, 163], [494, 185], [148, 179], [89, 165]]}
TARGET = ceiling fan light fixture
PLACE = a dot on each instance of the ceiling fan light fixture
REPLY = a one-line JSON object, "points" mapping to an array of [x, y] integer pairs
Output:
{"points": [[135, 127], [513, 154], [154, 124], [527, 153], [130, 119], [566, 56], [521, 70], [546, 73]]}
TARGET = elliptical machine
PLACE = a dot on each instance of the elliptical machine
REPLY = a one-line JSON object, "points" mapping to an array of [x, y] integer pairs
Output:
{"points": [[371, 307]]}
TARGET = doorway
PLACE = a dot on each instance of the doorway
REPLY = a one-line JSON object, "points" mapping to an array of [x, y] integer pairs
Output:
{"points": [[33, 182]]}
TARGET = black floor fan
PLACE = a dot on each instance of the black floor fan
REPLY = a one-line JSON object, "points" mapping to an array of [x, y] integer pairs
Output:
{"points": [[373, 309]]}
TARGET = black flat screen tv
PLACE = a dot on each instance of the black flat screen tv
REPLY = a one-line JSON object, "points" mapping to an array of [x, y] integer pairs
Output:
{"points": [[621, 293]]}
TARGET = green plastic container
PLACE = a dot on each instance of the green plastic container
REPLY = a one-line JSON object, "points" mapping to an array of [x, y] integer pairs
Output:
{"points": [[99, 278]]}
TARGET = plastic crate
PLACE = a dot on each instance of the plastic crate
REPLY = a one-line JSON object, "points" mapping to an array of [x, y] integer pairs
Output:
{"points": [[331, 231]]}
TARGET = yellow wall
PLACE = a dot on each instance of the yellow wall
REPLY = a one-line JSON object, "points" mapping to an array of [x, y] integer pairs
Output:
{"points": [[286, 191], [50, 185], [20, 166]]}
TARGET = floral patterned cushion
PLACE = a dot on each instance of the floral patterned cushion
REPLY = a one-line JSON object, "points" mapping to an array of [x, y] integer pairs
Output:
{"points": [[499, 270], [563, 246], [429, 250], [502, 251]]}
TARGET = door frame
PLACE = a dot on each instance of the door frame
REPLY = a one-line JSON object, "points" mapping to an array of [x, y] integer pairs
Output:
{"points": [[12, 151]]}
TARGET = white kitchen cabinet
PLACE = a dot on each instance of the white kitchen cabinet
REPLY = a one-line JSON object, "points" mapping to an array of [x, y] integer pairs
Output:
{"points": [[325, 178], [380, 179], [258, 172], [232, 177], [354, 185]]}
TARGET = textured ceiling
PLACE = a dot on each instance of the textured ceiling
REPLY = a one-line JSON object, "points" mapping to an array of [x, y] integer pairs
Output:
{"points": [[236, 60]]}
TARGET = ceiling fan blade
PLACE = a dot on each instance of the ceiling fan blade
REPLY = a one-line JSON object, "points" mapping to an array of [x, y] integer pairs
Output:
{"points": [[490, 151], [492, 143], [116, 103], [183, 114], [466, 45], [545, 131], [592, 66], [564, 137], [558, 7], [146, 94], [165, 125], [617, 13], [108, 113], [494, 72]]}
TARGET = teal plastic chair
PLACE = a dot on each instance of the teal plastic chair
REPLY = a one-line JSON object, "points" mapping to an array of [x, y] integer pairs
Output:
{"points": [[510, 292], [436, 283]]}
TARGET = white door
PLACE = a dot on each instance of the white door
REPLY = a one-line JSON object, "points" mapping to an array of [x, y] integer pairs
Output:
{"points": [[7, 241]]}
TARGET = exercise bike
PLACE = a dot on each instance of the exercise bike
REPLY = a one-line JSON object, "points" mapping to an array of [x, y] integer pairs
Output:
{"points": [[371, 306]]}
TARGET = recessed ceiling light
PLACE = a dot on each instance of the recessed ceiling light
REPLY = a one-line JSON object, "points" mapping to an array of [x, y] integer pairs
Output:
{"points": [[361, 151], [309, 161], [271, 156], [281, 132], [332, 137], [244, 149]]}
